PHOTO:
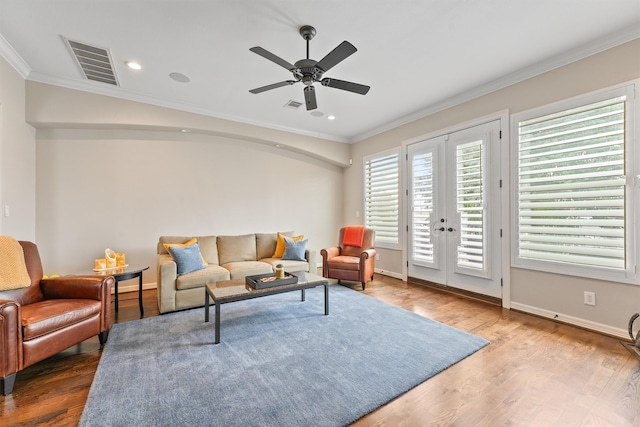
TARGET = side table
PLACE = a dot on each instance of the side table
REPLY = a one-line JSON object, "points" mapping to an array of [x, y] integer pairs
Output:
{"points": [[125, 273]]}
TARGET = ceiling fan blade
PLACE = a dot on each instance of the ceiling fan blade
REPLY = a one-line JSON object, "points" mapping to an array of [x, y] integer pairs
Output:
{"points": [[310, 98], [272, 86], [348, 86], [337, 55], [271, 57]]}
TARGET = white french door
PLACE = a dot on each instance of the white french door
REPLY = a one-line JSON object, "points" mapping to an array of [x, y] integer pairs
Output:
{"points": [[454, 209]]}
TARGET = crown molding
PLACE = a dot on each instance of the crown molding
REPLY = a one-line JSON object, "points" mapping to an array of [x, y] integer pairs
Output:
{"points": [[12, 57]]}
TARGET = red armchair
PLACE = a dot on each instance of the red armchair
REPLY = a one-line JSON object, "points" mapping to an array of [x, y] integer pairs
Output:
{"points": [[351, 263], [49, 316]]}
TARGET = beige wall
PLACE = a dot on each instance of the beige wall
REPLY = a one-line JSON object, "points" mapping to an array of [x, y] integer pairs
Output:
{"points": [[122, 189], [17, 159], [542, 293]]}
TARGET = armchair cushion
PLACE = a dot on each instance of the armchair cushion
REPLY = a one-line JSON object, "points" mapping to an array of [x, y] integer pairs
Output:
{"points": [[45, 317], [344, 262]]}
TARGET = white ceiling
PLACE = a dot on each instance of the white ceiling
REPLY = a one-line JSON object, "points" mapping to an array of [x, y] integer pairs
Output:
{"points": [[417, 55]]}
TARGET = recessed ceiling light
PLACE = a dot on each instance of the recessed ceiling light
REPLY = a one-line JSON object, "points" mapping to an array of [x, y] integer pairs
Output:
{"points": [[179, 77], [317, 113], [331, 117], [133, 65], [185, 130]]}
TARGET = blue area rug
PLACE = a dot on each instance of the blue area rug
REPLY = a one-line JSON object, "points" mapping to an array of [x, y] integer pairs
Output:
{"points": [[280, 362]]}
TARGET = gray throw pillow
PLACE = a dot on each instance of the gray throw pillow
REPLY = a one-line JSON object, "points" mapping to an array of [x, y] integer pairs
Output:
{"points": [[187, 258], [294, 250]]}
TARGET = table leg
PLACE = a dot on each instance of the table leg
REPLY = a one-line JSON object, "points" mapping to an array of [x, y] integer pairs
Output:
{"points": [[206, 305], [326, 300], [302, 290], [140, 295], [116, 293], [217, 323]]}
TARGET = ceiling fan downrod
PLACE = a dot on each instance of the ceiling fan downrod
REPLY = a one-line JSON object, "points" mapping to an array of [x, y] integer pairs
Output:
{"points": [[307, 32]]}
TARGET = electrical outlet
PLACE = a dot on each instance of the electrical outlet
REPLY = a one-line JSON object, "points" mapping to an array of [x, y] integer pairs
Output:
{"points": [[590, 298]]}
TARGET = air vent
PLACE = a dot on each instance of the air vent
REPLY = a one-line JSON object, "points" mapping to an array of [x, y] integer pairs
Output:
{"points": [[95, 62], [293, 104]]}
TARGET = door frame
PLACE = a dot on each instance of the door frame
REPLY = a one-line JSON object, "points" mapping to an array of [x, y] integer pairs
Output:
{"points": [[504, 252]]}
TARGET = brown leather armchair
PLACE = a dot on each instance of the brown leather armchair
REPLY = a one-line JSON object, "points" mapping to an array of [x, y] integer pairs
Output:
{"points": [[49, 316], [350, 262]]}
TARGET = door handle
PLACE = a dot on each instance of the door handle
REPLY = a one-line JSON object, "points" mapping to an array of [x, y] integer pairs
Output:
{"points": [[450, 229]]}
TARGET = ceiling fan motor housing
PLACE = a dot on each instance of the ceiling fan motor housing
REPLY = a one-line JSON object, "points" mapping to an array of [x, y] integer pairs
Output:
{"points": [[307, 72]]}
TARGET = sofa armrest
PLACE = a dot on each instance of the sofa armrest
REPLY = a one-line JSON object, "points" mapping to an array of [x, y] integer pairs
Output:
{"points": [[77, 287], [166, 286], [312, 259], [10, 338]]}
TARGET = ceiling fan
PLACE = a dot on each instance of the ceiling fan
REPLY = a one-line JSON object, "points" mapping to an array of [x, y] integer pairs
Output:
{"points": [[309, 71]]}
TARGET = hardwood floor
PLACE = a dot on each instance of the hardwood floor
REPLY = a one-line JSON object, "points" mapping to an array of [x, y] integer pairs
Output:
{"points": [[535, 372]]}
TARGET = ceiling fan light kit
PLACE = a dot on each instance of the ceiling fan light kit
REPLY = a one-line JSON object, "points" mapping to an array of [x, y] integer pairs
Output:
{"points": [[309, 71]]}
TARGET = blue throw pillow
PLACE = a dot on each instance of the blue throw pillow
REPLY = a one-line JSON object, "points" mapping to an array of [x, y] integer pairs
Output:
{"points": [[294, 250], [187, 258]]}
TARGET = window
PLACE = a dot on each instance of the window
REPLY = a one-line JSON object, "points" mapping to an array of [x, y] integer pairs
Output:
{"points": [[574, 212], [381, 197]]}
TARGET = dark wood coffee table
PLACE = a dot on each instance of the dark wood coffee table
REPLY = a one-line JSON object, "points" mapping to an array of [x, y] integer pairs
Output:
{"points": [[237, 290]]}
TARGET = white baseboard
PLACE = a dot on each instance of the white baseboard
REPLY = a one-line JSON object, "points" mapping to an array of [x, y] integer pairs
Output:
{"points": [[576, 321], [134, 287], [389, 273]]}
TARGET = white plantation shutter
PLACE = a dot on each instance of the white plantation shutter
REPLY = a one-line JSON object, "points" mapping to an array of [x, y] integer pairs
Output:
{"points": [[571, 186], [422, 209], [470, 205], [381, 178]]}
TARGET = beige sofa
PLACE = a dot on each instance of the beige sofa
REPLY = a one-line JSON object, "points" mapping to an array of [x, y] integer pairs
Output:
{"points": [[228, 257]]}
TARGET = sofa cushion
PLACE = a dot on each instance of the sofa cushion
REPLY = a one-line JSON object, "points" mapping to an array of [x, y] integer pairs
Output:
{"points": [[188, 258], [280, 243], [294, 250], [265, 244], [199, 278], [289, 265], [238, 270], [236, 248], [209, 248]]}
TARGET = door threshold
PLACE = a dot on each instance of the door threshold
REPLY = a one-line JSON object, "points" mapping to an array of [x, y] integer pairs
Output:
{"points": [[455, 291]]}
